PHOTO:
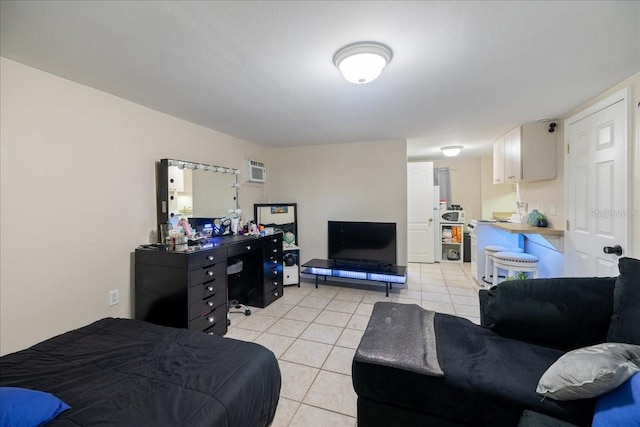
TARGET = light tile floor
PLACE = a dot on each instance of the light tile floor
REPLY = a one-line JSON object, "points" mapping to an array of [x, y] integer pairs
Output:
{"points": [[314, 334]]}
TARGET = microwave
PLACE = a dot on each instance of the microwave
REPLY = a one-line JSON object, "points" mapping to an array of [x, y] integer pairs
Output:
{"points": [[452, 216]]}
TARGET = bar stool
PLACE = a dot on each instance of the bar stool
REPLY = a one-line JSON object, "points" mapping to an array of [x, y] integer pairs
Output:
{"points": [[512, 262], [489, 250]]}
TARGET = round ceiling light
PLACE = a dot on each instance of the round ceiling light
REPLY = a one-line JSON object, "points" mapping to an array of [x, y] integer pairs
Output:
{"points": [[362, 62], [452, 150]]}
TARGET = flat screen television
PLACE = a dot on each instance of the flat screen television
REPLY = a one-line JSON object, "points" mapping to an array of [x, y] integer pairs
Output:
{"points": [[367, 243]]}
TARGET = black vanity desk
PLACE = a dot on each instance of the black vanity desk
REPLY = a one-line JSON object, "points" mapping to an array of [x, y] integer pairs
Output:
{"points": [[189, 287]]}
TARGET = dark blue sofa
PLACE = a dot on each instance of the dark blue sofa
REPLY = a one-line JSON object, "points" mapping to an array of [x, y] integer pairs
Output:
{"points": [[491, 371]]}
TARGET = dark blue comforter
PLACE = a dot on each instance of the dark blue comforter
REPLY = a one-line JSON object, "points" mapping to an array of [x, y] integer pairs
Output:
{"points": [[132, 373]]}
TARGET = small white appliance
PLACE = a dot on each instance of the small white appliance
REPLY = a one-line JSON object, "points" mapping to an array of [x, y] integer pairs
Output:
{"points": [[456, 216]]}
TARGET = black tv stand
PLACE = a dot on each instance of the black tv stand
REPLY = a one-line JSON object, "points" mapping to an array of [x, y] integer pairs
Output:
{"points": [[372, 272]]}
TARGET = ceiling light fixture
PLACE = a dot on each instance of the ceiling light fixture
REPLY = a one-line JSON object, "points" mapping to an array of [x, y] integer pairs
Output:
{"points": [[451, 150], [362, 62]]}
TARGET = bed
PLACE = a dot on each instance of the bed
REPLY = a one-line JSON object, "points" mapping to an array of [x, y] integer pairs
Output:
{"points": [[130, 372]]}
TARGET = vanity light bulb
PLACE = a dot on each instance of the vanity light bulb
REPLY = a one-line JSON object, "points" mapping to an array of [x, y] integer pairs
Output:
{"points": [[221, 170], [236, 171], [181, 165]]}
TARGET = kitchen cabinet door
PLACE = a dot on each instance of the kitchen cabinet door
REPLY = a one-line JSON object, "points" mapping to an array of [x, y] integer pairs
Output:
{"points": [[527, 153], [513, 156], [498, 161]]}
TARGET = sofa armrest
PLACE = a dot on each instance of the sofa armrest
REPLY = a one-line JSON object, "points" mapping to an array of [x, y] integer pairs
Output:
{"points": [[563, 313]]}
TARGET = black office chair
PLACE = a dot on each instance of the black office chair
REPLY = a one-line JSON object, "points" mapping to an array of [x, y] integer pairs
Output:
{"points": [[235, 266]]}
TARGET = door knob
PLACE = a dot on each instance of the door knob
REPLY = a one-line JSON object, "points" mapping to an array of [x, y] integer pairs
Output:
{"points": [[615, 250], [430, 219]]}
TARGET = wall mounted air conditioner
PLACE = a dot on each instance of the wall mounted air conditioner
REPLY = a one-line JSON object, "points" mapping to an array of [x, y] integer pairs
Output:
{"points": [[256, 172]]}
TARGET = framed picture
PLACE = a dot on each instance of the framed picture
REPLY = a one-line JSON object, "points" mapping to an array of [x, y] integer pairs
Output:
{"points": [[279, 209]]}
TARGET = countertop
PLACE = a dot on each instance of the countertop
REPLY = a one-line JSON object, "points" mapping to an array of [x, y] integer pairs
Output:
{"points": [[527, 229]]}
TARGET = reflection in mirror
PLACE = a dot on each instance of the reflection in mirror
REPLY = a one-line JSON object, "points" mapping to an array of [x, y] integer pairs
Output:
{"points": [[195, 190], [280, 216]]}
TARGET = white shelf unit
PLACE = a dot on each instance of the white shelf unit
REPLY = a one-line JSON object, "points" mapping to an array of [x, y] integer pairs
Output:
{"points": [[451, 242], [291, 273]]}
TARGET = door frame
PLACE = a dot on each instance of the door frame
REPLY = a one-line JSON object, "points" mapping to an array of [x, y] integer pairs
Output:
{"points": [[623, 95]]}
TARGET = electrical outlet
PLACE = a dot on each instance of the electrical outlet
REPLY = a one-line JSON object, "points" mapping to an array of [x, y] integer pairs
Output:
{"points": [[552, 210], [113, 297]]}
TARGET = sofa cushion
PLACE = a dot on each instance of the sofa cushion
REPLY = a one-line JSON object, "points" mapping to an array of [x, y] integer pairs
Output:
{"points": [[626, 303], [590, 371], [489, 380], [535, 419], [620, 407], [565, 313]]}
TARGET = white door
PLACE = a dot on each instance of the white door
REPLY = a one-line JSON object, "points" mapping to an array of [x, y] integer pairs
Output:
{"points": [[597, 187], [420, 221]]}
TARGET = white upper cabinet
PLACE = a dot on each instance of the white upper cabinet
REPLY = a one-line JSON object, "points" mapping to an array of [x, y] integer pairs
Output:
{"points": [[527, 153], [498, 161]]}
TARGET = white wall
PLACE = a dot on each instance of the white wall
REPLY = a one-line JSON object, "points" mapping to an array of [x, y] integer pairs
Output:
{"points": [[78, 195], [353, 182]]}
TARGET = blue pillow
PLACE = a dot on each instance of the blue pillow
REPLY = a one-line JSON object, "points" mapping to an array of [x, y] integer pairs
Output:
{"points": [[619, 407], [21, 407]]}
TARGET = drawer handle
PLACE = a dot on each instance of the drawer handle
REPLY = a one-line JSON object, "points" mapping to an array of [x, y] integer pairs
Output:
{"points": [[248, 247], [275, 294], [275, 284], [210, 303], [275, 251], [210, 288], [210, 319], [274, 240], [275, 272], [275, 261], [210, 333], [209, 273], [210, 257]]}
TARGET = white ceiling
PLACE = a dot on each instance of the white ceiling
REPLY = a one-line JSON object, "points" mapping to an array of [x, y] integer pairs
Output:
{"points": [[462, 72]]}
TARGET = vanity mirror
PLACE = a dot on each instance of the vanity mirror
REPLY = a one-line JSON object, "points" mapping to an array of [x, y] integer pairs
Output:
{"points": [[280, 216], [195, 190]]}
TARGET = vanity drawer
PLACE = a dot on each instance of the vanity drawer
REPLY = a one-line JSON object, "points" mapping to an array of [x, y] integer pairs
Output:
{"points": [[273, 251], [272, 271], [219, 328], [243, 248], [202, 307], [273, 241], [207, 290], [273, 294], [209, 273], [217, 315], [199, 259]]}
